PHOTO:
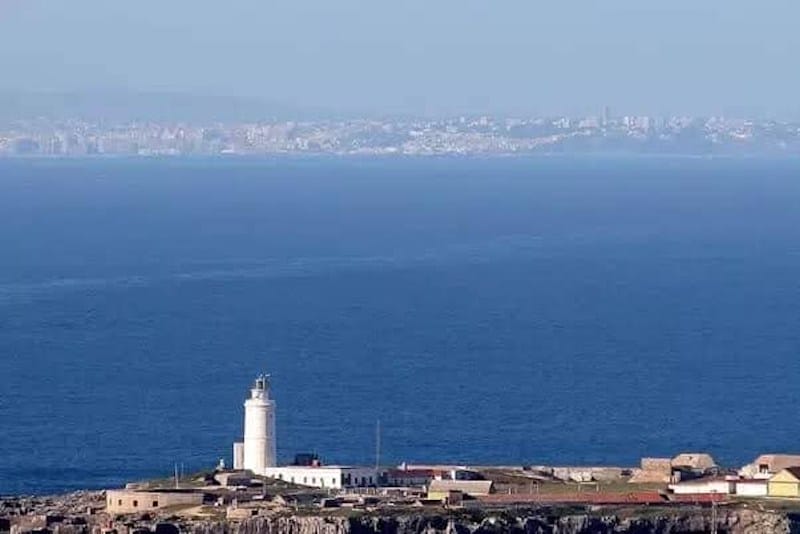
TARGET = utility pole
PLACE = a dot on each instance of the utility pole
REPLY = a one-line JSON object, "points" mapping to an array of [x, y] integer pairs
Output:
{"points": [[714, 517]]}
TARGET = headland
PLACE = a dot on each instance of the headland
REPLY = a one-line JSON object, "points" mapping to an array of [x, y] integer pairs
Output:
{"points": [[689, 492]]}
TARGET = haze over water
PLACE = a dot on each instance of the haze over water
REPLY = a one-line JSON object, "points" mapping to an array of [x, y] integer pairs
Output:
{"points": [[517, 311]]}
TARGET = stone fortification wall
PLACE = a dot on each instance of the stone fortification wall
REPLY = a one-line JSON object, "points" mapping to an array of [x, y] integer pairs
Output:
{"points": [[136, 501], [653, 470]]}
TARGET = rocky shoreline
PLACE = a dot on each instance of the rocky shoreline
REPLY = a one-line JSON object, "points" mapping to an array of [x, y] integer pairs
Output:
{"points": [[527, 522], [84, 513]]}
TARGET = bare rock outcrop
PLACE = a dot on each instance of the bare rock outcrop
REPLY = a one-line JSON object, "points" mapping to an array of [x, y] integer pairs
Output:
{"points": [[695, 521]]}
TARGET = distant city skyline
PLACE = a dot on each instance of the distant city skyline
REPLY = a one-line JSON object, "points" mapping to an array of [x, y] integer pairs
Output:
{"points": [[484, 135], [717, 57]]}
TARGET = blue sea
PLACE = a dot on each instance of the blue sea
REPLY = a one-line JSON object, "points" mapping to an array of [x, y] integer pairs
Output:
{"points": [[514, 311]]}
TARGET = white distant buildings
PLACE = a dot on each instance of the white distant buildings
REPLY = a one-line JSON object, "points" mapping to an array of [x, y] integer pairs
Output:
{"points": [[257, 453]]}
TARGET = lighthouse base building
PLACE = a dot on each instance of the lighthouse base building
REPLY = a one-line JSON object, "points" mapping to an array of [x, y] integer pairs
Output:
{"points": [[325, 476], [257, 452]]}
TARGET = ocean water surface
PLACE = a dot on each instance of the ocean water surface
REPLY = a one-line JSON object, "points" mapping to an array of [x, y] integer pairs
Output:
{"points": [[515, 311]]}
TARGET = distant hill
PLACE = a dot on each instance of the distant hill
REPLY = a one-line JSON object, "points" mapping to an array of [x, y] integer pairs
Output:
{"points": [[129, 106]]}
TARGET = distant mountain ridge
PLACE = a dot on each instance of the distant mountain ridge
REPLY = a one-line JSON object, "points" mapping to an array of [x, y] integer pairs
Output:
{"points": [[120, 106]]}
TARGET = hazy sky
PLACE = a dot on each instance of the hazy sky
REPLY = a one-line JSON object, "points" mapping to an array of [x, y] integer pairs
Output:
{"points": [[536, 56]]}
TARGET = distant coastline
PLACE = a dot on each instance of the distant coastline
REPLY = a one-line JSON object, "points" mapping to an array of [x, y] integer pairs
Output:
{"points": [[458, 136], [321, 156]]}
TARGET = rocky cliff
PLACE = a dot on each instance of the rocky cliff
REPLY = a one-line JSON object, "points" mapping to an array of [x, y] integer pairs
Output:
{"points": [[732, 521], [83, 513]]}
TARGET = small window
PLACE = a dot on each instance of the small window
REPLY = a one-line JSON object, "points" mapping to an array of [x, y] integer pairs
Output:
{"points": [[155, 504], [305, 480], [135, 504], [313, 480], [119, 503], [333, 481]]}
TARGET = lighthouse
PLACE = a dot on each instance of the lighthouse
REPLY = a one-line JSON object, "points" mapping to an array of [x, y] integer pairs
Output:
{"points": [[257, 452]]}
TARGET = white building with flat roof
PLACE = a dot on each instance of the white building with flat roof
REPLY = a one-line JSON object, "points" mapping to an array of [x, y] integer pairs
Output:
{"points": [[325, 476], [700, 486], [751, 488]]}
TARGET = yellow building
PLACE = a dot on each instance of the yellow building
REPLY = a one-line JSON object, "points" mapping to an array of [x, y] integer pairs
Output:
{"points": [[785, 484]]}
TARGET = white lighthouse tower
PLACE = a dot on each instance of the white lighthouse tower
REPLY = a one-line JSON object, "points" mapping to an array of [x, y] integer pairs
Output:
{"points": [[258, 450]]}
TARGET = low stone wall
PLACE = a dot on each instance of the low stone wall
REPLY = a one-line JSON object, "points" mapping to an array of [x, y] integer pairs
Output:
{"points": [[588, 474]]}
